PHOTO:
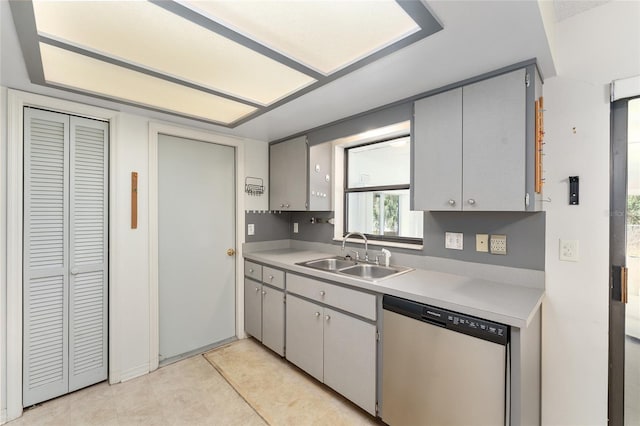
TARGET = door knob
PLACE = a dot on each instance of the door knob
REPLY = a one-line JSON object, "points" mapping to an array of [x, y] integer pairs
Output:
{"points": [[231, 252]]}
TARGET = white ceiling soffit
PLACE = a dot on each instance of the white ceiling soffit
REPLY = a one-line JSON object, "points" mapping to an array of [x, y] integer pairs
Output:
{"points": [[223, 62]]}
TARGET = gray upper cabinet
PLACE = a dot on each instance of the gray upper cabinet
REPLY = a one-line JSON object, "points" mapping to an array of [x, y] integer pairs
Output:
{"points": [[437, 152], [300, 176], [470, 147], [288, 165]]}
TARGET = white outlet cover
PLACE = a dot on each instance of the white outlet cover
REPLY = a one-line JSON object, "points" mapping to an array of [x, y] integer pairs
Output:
{"points": [[498, 244], [295, 227], [569, 250], [251, 229], [453, 240]]}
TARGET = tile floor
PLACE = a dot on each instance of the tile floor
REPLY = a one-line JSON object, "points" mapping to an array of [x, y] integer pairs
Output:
{"points": [[189, 392]]}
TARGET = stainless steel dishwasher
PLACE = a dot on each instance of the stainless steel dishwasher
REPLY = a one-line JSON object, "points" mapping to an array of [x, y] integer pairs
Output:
{"points": [[442, 368]]}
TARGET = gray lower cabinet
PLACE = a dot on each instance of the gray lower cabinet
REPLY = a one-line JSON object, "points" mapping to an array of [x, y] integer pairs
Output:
{"points": [[253, 308], [264, 314], [337, 349]]}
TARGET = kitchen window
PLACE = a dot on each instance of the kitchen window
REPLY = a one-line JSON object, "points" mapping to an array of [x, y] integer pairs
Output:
{"points": [[376, 192]]}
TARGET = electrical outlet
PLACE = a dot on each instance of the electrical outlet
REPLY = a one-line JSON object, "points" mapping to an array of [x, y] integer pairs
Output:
{"points": [[453, 240], [295, 227], [498, 244], [251, 229], [482, 242], [569, 250]]}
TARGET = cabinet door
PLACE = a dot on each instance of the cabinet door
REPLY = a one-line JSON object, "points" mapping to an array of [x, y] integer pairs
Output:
{"points": [[320, 177], [350, 358], [253, 308], [304, 335], [436, 160], [494, 132], [288, 165], [273, 319]]}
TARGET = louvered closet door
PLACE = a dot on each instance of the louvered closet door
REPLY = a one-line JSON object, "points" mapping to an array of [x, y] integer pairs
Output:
{"points": [[65, 254], [45, 274], [88, 253]]}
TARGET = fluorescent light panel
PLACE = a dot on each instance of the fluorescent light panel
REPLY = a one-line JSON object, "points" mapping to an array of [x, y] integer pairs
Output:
{"points": [[72, 70], [144, 34], [324, 35]]}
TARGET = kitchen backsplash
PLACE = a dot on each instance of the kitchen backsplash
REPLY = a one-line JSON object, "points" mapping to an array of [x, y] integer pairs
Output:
{"points": [[525, 234]]}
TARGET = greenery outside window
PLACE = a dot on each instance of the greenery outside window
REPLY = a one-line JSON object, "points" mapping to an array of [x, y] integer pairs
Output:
{"points": [[377, 192]]}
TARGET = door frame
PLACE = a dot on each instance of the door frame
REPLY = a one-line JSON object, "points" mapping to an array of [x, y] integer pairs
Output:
{"points": [[155, 129], [621, 92], [16, 101]]}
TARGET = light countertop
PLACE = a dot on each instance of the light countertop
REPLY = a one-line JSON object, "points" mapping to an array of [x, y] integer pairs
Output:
{"points": [[504, 303]]}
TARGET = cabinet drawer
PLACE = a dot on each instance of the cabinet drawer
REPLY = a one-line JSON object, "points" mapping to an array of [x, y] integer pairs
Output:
{"points": [[353, 301], [253, 270], [274, 277]]}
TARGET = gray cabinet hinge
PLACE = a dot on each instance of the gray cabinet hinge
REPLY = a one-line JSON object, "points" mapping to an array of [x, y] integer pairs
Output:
{"points": [[377, 410], [527, 80], [377, 335]]}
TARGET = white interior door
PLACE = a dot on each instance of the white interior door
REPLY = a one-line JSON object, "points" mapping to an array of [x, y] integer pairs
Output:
{"points": [[196, 227], [65, 254]]}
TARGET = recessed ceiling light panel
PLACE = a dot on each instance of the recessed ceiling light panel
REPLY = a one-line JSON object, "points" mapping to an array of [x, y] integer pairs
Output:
{"points": [[68, 69], [145, 35], [324, 35]]}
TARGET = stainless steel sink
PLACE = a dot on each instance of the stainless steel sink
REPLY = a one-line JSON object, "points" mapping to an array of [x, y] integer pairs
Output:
{"points": [[370, 272], [356, 269], [329, 264]]}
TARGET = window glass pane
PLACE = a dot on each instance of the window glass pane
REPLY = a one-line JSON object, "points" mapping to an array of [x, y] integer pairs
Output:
{"points": [[380, 164], [383, 213]]}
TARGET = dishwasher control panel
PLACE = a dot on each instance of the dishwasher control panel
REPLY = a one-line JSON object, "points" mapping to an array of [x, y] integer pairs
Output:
{"points": [[466, 324]]}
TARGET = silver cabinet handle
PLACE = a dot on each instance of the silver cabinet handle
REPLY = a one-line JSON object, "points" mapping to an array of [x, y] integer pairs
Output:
{"points": [[286, 205], [452, 203], [251, 270], [471, 201], [327, 317], [257, 289], [281, 205], [317, 314], [322, 293], [264, 292], [271, 277], [74, 271]]}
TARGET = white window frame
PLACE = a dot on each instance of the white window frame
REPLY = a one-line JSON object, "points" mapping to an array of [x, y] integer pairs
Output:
{"points": [[339, 146]]}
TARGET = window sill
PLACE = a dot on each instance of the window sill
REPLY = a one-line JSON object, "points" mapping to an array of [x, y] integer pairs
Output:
{"points": [[382, 243]]}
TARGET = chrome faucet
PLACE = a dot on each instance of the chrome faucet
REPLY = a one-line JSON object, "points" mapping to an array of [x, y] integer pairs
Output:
{"points": [[366, 244]]}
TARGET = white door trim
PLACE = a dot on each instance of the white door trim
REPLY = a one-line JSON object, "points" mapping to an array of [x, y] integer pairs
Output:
{"points": [[201, 135], [16, 101]]}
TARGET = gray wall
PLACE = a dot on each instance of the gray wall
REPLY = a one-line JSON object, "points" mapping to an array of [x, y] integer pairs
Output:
{"points": [[269, 226], [525, 234]]}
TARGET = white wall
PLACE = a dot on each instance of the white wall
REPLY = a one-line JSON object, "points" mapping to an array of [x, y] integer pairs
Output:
{"points": [[592, 49], [129, 250]]}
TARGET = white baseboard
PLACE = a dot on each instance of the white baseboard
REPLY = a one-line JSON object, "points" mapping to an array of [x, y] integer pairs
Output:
{"points": [[129, 374], [3, 416]]}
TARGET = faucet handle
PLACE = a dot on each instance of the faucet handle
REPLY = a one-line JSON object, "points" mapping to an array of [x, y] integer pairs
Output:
{"points": [[356, 253]]}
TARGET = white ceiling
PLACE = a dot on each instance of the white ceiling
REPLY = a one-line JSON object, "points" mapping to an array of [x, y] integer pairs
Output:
{"points": [[478, 36]]}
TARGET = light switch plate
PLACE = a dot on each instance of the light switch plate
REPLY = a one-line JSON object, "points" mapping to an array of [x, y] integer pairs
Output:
{"points": [[482, 242], [295, 227], [569, 250], [453, 240], [498, 244], [251, 229]]}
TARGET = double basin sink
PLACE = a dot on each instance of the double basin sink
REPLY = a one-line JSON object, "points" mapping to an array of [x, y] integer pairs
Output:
{"points": [[357, 269]]}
